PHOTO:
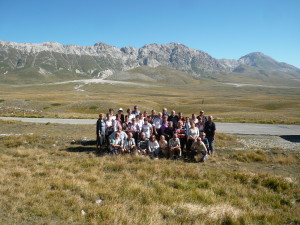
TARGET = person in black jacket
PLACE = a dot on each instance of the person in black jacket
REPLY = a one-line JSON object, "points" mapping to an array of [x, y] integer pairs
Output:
{"points": [[100, 131], [210, 130]]}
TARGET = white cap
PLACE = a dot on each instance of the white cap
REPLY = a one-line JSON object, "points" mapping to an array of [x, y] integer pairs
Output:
{"points": [[120, 109]]}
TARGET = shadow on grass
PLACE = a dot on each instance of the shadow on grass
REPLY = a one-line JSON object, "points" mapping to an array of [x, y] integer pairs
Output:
{"points": [[81, 149], [291, 138], [88, 146]]}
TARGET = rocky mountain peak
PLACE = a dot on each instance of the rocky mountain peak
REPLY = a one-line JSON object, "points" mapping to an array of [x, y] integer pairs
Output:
{"points": [[103, 58]]}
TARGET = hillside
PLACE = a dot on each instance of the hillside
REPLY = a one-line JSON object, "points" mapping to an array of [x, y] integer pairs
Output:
{"points": [[51, 61]]}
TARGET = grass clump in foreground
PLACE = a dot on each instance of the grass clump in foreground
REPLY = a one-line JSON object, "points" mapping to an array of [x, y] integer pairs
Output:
{"points": [[53, 185]]}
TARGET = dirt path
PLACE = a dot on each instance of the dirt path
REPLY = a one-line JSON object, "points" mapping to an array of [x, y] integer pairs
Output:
{"points": [[230, 128]]}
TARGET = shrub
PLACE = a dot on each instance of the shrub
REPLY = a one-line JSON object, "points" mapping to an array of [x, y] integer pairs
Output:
{"points": [[93, 107], [275, 184], [56, 104]]}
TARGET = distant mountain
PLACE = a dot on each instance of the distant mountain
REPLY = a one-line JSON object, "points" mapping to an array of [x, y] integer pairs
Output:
{"points": [[51, 61], [262, 61]]}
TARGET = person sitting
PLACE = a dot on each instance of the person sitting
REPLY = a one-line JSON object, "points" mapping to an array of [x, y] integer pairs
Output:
{"points": [[129, 145], [153, 147], [199, 151], [163, 146], [115, 144], [205, 141], [142, 146], [174, 146], [100, 131], [122, 134]]}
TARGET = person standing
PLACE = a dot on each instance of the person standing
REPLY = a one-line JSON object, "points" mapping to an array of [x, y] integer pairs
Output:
{"points": [[135, 110], [210, 130], [181, 133], [147, 128], [100, 131], [174, 118], [201, 115], [192, 137], [165, 112], [157, 122]]}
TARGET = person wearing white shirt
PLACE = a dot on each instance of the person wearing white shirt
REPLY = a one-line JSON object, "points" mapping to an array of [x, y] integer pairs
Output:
{"points": [[122, 134], [147, 128], [157, 122], [153, 147], [115, 144], [174, 146], [129, 144]]}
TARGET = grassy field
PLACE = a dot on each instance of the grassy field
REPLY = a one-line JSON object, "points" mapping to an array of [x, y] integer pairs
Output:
{"points": [[225, 102], [44, 179], [47, 180]]}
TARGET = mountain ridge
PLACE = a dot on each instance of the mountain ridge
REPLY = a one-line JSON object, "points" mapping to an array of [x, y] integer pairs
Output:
{"points": [[103, 60]]}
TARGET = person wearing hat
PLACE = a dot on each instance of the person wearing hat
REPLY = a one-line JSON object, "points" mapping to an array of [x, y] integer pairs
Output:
{"points": [[121, 115]]}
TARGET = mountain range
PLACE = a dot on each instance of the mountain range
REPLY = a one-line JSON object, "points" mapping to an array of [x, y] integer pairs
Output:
{"points": [[51, 61]]}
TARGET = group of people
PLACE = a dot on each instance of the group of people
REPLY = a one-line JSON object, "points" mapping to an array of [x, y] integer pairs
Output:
{"points": [[156, 134]]}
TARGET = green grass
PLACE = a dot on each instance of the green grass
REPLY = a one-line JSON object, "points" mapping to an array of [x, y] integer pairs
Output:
{"points": [[45, 179], [93, 107], [56, 104], [2, 100]]}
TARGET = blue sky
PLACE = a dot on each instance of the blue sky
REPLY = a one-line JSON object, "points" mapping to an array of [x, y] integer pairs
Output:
{"points": [[222, 28]]}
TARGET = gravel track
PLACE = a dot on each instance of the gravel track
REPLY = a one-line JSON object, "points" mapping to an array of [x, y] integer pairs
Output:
{"points": [[230, 128]]}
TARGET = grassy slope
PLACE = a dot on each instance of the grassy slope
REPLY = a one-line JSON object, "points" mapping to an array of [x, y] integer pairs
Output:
{"points": [[46, 184], [227, 103]]}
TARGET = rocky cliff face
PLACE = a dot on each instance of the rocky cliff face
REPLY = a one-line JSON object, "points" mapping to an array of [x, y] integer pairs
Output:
{"points": [[102, 60]]}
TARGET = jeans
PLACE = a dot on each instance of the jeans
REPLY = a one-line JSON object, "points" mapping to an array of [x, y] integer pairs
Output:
{"points": [[211, 145]]}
